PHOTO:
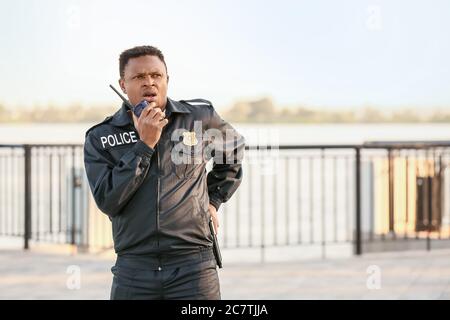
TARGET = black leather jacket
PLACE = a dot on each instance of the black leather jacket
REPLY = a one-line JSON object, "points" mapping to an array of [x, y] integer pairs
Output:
{"points": [[157, 205]]}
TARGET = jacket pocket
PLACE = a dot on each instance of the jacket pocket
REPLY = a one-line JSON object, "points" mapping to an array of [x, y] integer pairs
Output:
{"points": [[191, 164]]}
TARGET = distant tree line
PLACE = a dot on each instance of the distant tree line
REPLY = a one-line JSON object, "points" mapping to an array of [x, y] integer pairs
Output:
{"points": [[257, 111], [73, 114], [264, 111]]}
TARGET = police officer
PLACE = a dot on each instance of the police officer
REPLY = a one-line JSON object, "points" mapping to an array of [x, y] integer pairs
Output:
{"points": [[148, 174]]}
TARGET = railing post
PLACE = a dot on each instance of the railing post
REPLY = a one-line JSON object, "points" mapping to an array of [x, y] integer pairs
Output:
{"points": [[358, 240], [73, 185], [391, 190], [430, 176], [27, 184]]}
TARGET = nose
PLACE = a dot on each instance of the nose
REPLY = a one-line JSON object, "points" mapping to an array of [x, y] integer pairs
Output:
{"points": [[149, 80]]}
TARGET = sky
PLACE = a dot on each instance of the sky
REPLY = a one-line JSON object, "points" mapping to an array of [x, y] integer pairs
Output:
{"points": [[323, 53]]}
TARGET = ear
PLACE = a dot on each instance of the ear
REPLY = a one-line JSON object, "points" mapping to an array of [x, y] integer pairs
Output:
{"points": [[122, 85], [167, 78]]}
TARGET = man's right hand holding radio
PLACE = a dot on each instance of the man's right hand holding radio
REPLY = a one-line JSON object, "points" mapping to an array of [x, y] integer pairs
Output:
{"points": [[150, 124]]}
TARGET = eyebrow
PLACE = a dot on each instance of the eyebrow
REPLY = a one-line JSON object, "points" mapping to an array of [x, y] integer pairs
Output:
{"points": [[145, 73]]}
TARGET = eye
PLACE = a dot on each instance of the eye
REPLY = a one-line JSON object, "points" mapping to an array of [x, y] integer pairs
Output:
{"points": [[138, 77]]}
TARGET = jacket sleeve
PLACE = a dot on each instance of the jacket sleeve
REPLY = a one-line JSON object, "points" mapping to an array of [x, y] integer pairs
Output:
{"points": [[226, 174], [113, 184]]}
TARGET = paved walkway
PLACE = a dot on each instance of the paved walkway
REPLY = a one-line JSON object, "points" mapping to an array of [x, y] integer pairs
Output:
{"points": [[405, 275]]}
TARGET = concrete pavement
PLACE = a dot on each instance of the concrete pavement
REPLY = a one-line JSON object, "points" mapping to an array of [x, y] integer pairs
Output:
{"points": [[406, 275]]}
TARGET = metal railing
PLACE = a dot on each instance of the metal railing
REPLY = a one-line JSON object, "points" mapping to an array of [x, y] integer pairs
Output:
{"points": [[43, 194], [372, 196]]}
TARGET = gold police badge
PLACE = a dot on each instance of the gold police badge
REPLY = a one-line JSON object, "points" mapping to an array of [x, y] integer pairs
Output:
{"points": [[189, 139]]}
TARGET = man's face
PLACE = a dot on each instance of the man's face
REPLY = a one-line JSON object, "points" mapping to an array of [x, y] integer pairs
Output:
{"points": [[145, 78]]}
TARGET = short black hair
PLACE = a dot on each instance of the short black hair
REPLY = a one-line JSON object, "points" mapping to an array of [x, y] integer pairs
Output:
{"points": [[138, 52]]}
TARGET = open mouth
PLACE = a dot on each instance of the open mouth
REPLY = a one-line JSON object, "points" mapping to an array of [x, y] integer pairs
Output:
{"points": [[149, 96]]}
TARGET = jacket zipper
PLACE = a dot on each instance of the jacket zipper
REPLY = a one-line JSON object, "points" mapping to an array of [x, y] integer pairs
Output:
{"points": [[157, 198], [157, 203]]}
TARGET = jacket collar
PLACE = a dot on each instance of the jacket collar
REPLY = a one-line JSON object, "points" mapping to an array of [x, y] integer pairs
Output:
{"points": [[121, 117], [175, 106]]}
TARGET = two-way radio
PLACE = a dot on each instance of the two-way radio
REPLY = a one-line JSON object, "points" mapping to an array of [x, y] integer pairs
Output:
{"points": [[137, 109]]}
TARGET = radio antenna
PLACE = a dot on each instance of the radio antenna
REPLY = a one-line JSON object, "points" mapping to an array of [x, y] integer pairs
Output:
{"points": [[129, 105]]}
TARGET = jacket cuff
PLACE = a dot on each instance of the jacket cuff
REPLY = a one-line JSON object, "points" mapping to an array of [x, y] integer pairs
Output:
{"points": [[142, 149], [215, 201]]}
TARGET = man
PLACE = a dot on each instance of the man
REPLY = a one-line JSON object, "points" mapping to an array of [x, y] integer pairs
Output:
{"points": [[148, 174]]}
